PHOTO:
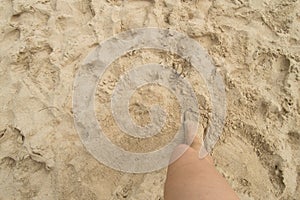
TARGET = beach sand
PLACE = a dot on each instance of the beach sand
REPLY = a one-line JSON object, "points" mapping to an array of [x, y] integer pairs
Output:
{"points": [[254, 44]]}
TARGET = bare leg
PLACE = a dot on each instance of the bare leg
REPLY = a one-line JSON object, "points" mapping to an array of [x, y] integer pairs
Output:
{"points": [[195, 179]]}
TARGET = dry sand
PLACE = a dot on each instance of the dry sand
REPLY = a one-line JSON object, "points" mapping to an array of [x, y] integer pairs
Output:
{"points": [[254, 43]]}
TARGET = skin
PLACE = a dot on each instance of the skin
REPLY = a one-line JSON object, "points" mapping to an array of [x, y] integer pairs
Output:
{"points": [[192, 178]]}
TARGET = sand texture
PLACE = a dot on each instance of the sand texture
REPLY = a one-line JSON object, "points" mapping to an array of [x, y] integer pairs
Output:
{"points": [[255, 45]]}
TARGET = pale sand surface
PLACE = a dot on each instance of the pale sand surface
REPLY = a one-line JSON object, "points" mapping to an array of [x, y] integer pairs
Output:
{"points": [[255, 45]]}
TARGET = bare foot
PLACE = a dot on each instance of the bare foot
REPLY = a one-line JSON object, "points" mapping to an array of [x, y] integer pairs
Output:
{"points": [[192, 132]]}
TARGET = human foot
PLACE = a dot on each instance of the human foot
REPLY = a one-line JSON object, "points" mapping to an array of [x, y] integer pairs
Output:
{"points": [[192, 130]]}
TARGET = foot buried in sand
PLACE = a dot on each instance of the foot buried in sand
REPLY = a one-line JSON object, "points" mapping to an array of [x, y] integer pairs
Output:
{"points": [[193, 178]]}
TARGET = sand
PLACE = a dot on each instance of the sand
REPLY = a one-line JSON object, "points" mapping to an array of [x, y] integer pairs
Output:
{"points": [[255, 45]]}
